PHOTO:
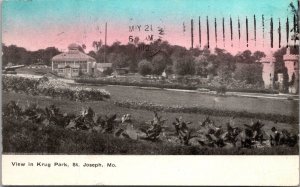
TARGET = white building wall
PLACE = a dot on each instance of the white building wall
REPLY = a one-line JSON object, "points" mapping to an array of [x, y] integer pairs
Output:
{"points": [[268, 74], [291, 62]]}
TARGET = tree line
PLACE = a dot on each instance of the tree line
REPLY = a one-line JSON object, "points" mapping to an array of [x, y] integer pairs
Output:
{"points": [[160, 56]]}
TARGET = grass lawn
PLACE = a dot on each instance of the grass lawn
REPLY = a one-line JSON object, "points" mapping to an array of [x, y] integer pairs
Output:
{"points": [[139, 115], [34, 71], [29, 138], [232, 103]]}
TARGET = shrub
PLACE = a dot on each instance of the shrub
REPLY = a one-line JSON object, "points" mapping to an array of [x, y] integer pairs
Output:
{"points": [[141, 84], [184, 65], [159, 64], [221, 89], [52, 87], [145, 67], [108, 71]]}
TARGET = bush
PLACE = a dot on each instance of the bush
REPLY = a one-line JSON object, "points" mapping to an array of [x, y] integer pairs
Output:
{"points": [[145, 67], [108, 71], [221, 89], [159, 64], [141, 84], [52, 87], [250, 73], [27, 138], [184, 65]]}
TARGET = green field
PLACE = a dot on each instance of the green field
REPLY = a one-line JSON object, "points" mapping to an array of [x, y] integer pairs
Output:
{"points": [[219, 102], [26, 138], [139, 115]]}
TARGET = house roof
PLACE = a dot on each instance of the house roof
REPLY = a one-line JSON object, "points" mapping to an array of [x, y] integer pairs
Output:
{"points": [[104, 65], [73, 55]]}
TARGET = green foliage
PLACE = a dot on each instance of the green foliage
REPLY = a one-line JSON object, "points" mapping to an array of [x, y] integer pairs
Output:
{"points": [[183, 61], [28, 138], [257, 55], [141, 84], [145, 67], [53, 88], [18, 55], [169, 69], [235, 86], [108, 71], [221, 89], [159, 63], [251, 73], [118, 60], [184, 65], [279, 63], [26, 134], [201, 64], [224, 72]]}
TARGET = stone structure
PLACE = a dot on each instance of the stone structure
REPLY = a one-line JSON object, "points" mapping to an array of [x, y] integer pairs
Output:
{"points": [[291, 62], [268, 71], [280, 81]]}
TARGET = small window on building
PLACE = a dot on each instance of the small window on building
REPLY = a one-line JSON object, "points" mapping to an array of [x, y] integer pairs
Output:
{"points": [[60, 70], [75, 70]]}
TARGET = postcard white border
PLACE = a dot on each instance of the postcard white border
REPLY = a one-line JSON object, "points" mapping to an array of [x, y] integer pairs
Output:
{"points": [[153, 170]]}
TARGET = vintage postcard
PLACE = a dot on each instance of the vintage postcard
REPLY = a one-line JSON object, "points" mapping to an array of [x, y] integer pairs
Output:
{"points": [[169, 92]]}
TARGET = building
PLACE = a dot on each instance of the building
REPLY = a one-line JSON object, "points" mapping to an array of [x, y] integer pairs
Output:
{"points": [[268, 71], [292, 64], [73, 63]]}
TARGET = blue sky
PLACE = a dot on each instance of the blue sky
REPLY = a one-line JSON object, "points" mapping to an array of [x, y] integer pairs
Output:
{"points": [[37, 24]]}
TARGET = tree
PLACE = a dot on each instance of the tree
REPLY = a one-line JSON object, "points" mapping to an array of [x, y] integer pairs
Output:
{"points": [[159, 64], [251, 73], [145, 67], [97, 45], [201, 65], [108, 71], [81, 48], [19, 55], [178, 52], [47, 54], [245, 57], [13, 54], [279, 63], [118, 60], [257, 55], [184, 65], [92, 54], [169, 69], [224, 72], [225, 63]]}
